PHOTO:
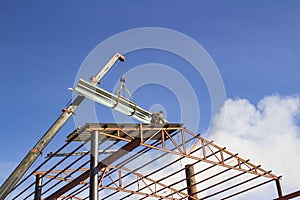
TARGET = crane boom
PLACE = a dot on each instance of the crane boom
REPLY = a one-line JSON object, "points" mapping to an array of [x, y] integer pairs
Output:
{"points": [[32, 155]]}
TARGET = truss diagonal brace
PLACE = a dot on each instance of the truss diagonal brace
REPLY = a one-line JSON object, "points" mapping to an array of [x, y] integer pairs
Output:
{"points": [[141, 180]]}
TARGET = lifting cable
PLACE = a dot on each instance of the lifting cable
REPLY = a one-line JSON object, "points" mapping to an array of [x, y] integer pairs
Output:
{"points": [[123, 88]]}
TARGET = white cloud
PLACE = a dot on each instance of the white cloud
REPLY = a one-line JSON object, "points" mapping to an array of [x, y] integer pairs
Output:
{"points": [[267, 133]]}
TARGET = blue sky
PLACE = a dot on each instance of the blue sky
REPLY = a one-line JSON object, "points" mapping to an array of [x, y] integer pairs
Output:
{"points": [[255, 45]]}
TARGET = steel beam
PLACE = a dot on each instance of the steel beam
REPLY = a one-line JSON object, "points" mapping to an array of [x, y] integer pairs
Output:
{"points": [[119, 103], [289, 196], [80, 153], [107, 161]]}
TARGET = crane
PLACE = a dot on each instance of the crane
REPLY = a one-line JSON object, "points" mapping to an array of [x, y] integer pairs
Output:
{"points": [[33, 154]]}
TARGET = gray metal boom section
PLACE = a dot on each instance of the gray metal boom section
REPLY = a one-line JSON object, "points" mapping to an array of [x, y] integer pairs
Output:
{"points": [[32, 155]]}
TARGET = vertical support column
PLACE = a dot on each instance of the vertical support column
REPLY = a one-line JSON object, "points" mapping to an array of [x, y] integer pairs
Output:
{"points": [[191, 182], [38, 187], [141, 133], [279, 188], [93, 166]]}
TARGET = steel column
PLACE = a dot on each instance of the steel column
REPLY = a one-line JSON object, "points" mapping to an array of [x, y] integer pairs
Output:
{"points": [[279, 188], [93, 166], [191, 182], [38, 187]]}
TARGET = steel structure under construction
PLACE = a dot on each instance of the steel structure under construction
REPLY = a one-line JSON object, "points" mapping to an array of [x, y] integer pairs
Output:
{"points": [[146, 162], [132, 161]]}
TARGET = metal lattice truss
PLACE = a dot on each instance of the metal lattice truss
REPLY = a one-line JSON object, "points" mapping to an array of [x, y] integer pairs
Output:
{"points": [[217, 155], [143, 185], [149, 164]]}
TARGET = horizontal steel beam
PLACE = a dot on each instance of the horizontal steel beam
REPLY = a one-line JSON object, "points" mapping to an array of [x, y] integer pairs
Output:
{"points": [[289, 196], [80, 153]]}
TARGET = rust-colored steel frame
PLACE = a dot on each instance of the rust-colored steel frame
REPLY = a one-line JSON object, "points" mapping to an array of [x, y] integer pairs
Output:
{"points": [[181, 150], [145, 185], [110, 159], [70, 197], [290, 196], [60, 162], [123, 163], [176, 141]]}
